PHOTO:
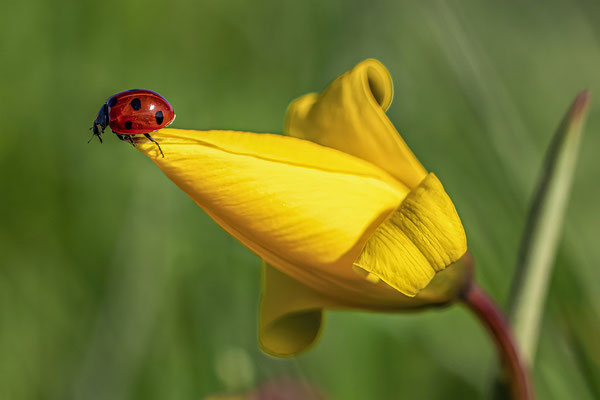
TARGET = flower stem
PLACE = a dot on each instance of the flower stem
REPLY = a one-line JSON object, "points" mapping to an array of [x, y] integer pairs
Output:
{"points": [[515, 374]]}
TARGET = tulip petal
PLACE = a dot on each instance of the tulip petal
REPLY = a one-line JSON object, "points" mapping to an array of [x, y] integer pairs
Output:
{"points": [[421, 238], [294, 203], [350, 116], [291, 314]]}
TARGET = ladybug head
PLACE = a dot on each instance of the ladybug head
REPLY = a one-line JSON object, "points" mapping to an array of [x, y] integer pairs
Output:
{"points": [[100, 122]]}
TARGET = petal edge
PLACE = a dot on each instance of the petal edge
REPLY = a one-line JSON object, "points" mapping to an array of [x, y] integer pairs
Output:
{"points": [[421, 238]]}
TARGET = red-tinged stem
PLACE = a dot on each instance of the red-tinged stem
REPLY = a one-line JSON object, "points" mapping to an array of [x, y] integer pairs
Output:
{"points": [[491, 316]]}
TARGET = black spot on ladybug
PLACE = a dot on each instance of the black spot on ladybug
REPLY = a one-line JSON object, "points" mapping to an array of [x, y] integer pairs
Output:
{"points": [[159, 117], [128, 125], [112, 101], [136, 104], [134, 90]]}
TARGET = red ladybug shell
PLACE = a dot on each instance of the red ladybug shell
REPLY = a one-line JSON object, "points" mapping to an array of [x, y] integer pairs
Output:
{"points": [[138, 111]]}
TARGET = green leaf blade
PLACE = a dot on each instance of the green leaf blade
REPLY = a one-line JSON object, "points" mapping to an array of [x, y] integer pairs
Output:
{"points": [[543, 229]]}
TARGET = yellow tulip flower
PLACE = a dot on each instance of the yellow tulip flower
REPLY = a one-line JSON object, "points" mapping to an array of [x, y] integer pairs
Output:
{"points": [[341, 211]]}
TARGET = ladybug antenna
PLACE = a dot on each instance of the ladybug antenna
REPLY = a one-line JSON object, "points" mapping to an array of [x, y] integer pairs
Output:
{"points": [[96, 131], [95, 134]]}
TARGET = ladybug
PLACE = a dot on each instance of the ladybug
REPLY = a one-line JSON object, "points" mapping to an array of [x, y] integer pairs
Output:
{"points": [[134, 112]]}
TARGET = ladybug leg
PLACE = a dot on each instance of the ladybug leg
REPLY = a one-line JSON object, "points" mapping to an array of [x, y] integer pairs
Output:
{"points": [[155, 142], [126, 138], [130, 138]]}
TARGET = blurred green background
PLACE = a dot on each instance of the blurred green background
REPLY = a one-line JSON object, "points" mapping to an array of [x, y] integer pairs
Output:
{"points": [[115, 285]]}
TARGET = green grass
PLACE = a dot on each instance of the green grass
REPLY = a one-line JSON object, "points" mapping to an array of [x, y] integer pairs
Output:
{"points": [[115, 285]]}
